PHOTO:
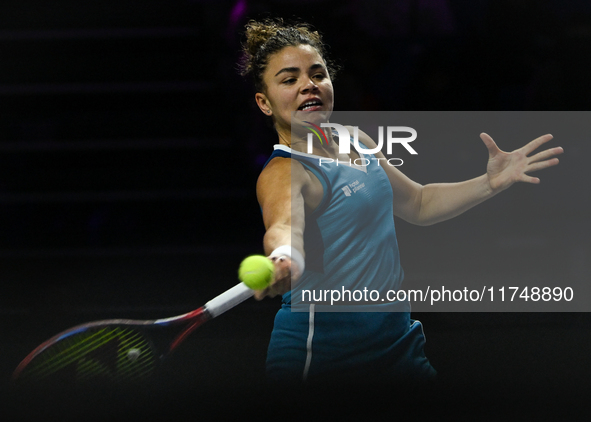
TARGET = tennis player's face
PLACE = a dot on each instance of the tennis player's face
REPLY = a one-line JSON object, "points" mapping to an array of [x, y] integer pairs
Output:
{"points": [[296, 79]]}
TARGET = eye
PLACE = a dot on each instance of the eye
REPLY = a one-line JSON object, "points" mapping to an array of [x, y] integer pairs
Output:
{"points": [[289, 81], [319, 76]]}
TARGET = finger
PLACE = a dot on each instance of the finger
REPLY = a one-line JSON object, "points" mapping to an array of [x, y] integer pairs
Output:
{"points": [[272, 292], [528, 179], [283, 267], [492, 147], [536, 143], [280, 287], [544, 155], [261, 294], [541, 165]]}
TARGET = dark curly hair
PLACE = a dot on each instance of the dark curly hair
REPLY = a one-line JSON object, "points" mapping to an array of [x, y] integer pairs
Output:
{"points": [[267, 37]]}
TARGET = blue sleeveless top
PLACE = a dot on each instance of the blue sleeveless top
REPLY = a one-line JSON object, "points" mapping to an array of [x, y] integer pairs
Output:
{"points": [[350, 244], [350, 239]]}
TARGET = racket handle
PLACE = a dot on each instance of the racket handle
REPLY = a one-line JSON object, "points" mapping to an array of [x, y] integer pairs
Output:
{"points": [[227, 300]]}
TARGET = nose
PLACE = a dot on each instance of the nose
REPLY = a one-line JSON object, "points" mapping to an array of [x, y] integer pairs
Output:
{"points": [[309, 86]]}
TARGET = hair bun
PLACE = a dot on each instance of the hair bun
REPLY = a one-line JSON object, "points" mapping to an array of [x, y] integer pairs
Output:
{"points": [[267, 37], [258, 33]]}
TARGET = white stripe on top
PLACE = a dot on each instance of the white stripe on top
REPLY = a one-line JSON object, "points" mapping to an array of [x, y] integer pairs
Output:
{"points": [[309, 343]]}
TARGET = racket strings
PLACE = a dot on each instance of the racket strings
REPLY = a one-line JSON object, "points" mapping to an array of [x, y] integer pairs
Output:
{"points": [[115, 353]]}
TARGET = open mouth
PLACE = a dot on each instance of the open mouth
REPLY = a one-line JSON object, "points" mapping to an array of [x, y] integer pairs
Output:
{"points": [[310, 105]]}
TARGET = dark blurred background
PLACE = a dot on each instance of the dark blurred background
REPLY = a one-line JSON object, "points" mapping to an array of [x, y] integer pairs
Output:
{"points": [[130, 149]]}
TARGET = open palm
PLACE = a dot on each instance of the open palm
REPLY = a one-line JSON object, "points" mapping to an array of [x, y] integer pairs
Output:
{"points": [[506, 168]]}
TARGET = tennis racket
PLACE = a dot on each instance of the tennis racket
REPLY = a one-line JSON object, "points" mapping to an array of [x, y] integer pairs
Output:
{"points": [[118, 350]]}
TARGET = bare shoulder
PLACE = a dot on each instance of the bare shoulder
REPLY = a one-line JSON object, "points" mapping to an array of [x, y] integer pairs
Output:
{"points": [[282, 169], [280, 173], [284, 177]]}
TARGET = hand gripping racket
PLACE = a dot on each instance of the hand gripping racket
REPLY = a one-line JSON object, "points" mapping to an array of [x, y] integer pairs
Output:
{"points": [[117, 350]]}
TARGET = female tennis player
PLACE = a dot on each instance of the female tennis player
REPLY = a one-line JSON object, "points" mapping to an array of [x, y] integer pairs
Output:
{"points": [[320, 237]]}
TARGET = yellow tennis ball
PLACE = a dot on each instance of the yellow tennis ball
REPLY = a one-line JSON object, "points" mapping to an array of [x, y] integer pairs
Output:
{"points": [[256, 271]]}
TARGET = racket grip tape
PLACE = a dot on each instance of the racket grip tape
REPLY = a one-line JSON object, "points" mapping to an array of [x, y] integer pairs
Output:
{"points": [[227, 300]]}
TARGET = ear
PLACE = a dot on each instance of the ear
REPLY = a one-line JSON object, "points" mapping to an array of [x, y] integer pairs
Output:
{"points": [[263, 103]]}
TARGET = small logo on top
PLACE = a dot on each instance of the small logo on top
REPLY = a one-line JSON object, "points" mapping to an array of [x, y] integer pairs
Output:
{"points": [[353, 187]]}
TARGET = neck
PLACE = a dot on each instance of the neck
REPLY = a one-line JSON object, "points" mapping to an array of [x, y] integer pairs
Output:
{"points": [[299, 142]]}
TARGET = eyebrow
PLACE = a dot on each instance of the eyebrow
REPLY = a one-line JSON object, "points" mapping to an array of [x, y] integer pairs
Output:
{"points": [[297, 69]]}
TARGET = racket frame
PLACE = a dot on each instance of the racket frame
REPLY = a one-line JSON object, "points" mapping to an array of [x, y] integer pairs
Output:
{"points": [[212, 309]]}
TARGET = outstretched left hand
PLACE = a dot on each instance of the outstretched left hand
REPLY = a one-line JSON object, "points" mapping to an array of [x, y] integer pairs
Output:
{"points": [[506, 168]]}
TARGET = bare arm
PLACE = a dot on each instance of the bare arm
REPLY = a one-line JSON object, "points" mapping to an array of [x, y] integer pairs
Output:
{"points": [[442, 201], [280, 194], [432, 203]]}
